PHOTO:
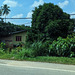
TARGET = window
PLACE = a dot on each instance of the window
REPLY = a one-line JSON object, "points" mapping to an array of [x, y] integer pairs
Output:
{"points": [[18, 38]]}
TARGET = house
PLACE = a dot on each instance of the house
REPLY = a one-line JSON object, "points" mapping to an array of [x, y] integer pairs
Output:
{"points": [[15, 38]]}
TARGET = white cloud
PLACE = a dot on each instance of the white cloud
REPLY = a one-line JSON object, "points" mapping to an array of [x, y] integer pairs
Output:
{"points": [[63, 4], [37, 3], [10, 3], [72, 16], [18, 16], [29, 14]]}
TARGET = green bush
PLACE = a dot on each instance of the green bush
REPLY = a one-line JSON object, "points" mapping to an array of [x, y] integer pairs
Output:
{"points": [[40, 49], [24, 53], [14, 51], [27, 45], [2, 52], [2, 45], [63, 47]]}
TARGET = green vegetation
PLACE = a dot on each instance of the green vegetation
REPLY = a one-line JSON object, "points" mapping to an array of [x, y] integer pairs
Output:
{"points": [[48, 39], [59, 60], [63, 47], [48, 59], [8, 28], [48, 23], [61, 51], [27, 54]]}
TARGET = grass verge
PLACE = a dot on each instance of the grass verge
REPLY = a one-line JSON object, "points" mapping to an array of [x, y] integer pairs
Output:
{"points": [[58, 60]]}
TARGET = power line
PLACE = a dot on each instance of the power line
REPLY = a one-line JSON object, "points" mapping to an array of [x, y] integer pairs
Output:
{"points": [[72, 14], [25, 18], [16, 18]]}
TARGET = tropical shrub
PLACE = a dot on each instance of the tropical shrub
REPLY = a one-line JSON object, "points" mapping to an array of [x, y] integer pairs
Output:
{"points": [[1, 51], [22, 54], [40, 49], [63, 47], [14, 51], [2, 45]]}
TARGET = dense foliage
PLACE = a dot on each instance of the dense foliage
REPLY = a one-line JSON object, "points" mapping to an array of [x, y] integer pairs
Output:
{"points": [[60, 47], [49, 22], [40, 49], [46, 36], [7, 28], [63, 47]]}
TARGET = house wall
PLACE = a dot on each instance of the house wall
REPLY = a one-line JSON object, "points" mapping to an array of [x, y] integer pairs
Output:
{"points": [[11, 40], [23, 39]]}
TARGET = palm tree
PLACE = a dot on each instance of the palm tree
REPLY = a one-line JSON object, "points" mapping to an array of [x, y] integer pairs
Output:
{"points": [[1, 14], [5, 10], [1, 11]]}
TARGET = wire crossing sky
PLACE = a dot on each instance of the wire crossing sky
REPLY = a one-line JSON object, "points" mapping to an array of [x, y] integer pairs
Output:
{"points": [[23, 8]]}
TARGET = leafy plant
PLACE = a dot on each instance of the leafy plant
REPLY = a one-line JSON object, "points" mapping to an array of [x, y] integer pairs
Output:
{"points": [[2, 51], [63, 47], [24, 53], [40, 49], [2, 46]]}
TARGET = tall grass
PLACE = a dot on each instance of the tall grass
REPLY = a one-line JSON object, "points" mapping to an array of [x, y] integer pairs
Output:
{"points": [[24, 53]]}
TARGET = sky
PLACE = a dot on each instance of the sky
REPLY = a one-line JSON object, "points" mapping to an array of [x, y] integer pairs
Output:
{"points": [[23, 8]]}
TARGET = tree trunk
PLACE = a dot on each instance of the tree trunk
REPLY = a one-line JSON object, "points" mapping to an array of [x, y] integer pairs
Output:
{"points": [[5, 18]]}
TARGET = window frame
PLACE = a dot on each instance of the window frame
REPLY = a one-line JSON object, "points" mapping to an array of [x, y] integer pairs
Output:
{"points": [[18, 38]]}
